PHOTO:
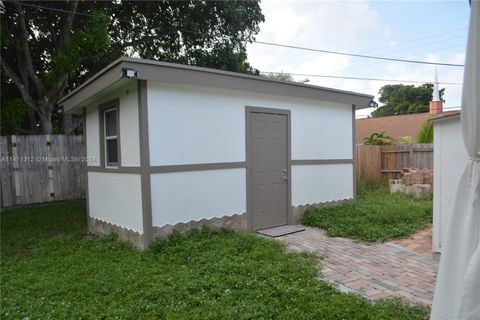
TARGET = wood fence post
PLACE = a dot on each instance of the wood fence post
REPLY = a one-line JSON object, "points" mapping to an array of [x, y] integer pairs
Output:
{"points": [[16, 174], [51, 186], [411, 155]]}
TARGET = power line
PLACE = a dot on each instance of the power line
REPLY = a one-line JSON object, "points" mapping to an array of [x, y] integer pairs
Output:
{"points": [[358, 55], [379, 62], [421, 38], [285, 45], [357, 78]]}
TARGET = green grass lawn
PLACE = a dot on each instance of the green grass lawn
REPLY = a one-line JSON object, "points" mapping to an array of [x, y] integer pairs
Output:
{"points": [[376, 216], [50, 269]]}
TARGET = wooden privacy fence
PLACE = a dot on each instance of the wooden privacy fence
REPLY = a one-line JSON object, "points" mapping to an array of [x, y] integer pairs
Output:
{"points": [[41, 168], [387, 162]]}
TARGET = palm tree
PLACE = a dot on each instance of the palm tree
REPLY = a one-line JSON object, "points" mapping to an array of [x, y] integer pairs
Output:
{"points": [[378, 139], [425, 134]]}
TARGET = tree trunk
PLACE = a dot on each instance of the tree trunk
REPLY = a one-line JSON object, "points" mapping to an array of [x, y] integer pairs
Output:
{"points": [[46, 121], [32, 121]]}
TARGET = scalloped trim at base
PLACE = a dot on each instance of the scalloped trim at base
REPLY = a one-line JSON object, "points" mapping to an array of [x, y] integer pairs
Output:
{"points": [[237, 222], [298, 211], [103, 228]]}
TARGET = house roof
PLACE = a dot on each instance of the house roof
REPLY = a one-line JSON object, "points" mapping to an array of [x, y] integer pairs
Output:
{"points": [[111, 77], [446, 115], [394, 126]]}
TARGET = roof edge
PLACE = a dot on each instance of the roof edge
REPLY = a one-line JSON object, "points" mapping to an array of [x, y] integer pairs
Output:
{"points": [[445, 116], [182, 74]]}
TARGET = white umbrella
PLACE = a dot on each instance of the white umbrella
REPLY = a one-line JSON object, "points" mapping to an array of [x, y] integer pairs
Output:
{"points": [[457, 293]]}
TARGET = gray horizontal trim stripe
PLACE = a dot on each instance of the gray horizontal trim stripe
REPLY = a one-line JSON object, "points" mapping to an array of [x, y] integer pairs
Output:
{"points": [[207, 166], [197, 167], [114, 170], [183, 74], [320, 161]]}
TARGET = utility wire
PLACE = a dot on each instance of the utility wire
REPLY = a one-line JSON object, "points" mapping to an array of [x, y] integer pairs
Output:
{"points": [[358, 55], [285, 45], [379, 62], [355, 78], [402, 43]]}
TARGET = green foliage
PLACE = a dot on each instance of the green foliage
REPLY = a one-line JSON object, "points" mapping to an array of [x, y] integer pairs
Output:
{"points": [[378, 139], [425, 134], [200, 275], [402, 99], [67, 48], [376, 216], [407, 140], [283, 76], [12, 115], [278, 76]]}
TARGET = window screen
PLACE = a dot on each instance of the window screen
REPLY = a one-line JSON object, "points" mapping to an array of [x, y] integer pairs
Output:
{"points": [[111, 138]]}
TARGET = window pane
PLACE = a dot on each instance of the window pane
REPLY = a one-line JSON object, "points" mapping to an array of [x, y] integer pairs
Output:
{"points": [[112, 153], [111, 123]]}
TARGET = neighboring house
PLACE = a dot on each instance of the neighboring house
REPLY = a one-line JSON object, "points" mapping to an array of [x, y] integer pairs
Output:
{"points": [[398, 126], [450, 159], [394, 126], [175, 147]]}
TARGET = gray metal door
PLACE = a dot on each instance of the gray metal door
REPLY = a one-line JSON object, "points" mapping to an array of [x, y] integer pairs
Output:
{"points": [[268, 168]]}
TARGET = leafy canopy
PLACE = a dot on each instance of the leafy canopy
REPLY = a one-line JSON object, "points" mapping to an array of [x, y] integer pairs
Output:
{"points": [[402, 99], [378, 139], [50, 47]]}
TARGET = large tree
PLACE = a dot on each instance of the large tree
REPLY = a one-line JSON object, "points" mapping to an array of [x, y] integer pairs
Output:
{"points": [[50, 47], [403, 99]]}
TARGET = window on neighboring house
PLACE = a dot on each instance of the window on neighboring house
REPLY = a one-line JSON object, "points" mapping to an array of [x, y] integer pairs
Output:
{"points": [[111, 137]]}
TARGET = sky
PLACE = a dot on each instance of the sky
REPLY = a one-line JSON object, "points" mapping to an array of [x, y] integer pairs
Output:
{"points": [[434, 31]]}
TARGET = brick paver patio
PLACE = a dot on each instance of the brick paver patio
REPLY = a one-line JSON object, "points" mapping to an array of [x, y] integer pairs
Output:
{"points": [[375, 271], [421, 242]]}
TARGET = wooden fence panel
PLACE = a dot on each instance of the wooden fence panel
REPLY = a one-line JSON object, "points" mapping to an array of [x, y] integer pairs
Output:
{"points": [[41, 168], [7, 182], [387, 162], [32, 169], [368, 162], [67, 153]]}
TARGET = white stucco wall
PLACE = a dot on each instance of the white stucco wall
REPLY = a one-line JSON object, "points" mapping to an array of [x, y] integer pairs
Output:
{"points": [[192, 124], [185, 196], [450, 159], [320, 183], [129, 127], [92, 136], [116, 198]]}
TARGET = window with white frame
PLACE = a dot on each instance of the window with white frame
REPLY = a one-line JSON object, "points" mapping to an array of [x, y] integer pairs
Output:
{"points": [[111, 137]]}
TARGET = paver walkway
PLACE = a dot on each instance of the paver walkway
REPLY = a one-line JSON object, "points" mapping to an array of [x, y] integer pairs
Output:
{"points": [[421, 242], [376, 271]]}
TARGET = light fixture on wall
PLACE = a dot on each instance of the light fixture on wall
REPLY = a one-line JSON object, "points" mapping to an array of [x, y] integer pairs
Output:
{"points": [[373, 104], [129, 73], [58, 108]]}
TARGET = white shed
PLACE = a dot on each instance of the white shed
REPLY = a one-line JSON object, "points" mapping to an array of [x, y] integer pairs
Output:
{"points": [[450, 159], [171, 146]]}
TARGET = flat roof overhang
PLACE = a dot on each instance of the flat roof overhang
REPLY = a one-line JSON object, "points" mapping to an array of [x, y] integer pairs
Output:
{"points": [[111, 77]]}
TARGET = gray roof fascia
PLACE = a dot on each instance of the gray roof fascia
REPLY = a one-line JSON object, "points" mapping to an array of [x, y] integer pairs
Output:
{"points": [[190, 75]]}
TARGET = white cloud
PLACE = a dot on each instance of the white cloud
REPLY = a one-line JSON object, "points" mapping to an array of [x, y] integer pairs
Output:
{"points": [[349, 27], [317, 24]]}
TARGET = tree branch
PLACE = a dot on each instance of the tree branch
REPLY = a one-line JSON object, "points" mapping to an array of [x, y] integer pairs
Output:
{"points": [[24, 43], [67, 24], [21, 86]]}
